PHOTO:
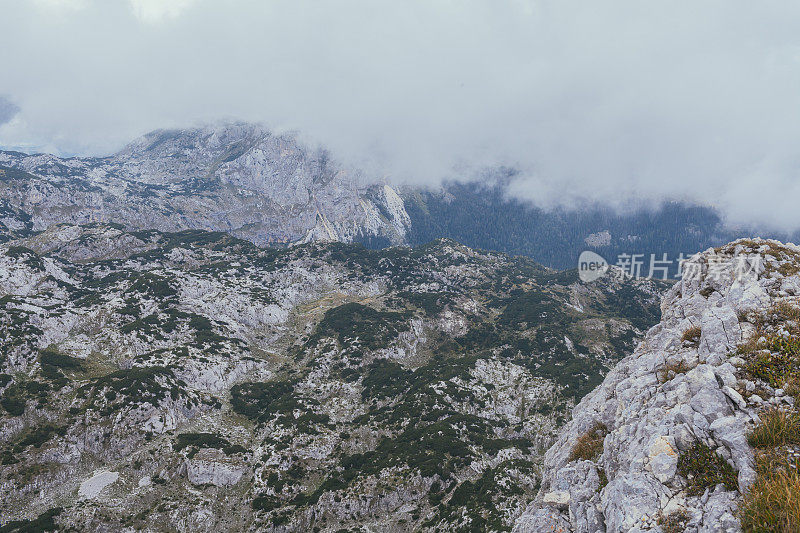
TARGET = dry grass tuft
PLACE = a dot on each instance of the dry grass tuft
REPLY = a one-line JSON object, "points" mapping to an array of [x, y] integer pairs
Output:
{"points": [[789, 269], [590, 444], [777, 428], [670, 370], [692, 336], [793, 388], [674, 522], [784, 311], [773, 502], [751, 346]]}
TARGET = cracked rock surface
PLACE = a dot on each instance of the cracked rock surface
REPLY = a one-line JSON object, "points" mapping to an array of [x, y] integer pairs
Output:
{"points": [[676, 390]]}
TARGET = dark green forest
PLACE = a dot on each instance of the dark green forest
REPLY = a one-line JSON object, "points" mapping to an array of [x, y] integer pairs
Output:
{"points": [[485, 217]]}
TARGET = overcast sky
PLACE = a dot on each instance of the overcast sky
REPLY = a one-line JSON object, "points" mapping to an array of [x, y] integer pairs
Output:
{"points": [[597, 100]]}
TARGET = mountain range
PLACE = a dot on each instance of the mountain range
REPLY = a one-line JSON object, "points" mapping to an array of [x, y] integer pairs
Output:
{"points": [[272, 190], [192, 381], [220, 329]]}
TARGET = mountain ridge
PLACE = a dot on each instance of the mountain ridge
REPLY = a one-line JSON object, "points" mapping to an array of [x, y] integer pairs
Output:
{"points": [[238, 178], [274, 191]]}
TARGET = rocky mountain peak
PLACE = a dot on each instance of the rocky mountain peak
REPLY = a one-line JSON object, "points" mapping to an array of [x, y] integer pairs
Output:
{"points": [[662, 444], [212, 138], [238, 178], [243, 155]]}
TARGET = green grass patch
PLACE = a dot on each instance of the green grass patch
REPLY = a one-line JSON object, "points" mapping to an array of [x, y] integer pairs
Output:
{"points": [[43, 522], [196, 441], [704, 468], [777, 363]]}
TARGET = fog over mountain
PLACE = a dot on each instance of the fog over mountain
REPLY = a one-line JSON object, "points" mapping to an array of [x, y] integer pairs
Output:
{"points": [[611, 102], [7, 110]]}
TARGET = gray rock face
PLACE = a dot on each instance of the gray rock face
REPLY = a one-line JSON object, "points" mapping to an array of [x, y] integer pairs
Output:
{"points": [[629, 502], [652, 416], [720, 331], [215, 473], [237, 178], [543, 520]]}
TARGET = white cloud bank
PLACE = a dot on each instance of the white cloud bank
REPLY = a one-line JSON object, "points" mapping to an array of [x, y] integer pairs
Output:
{"points": [[157, 11], [605, 101]]}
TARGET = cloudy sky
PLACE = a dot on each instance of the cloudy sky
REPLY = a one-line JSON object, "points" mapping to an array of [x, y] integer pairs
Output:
{"points": [[600, 101]]}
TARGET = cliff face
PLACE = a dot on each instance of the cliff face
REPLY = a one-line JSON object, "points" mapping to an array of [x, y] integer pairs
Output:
{"points": [[662, 442]]}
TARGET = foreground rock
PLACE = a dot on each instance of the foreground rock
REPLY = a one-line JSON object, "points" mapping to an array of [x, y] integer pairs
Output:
{"points": [[683, 392]]}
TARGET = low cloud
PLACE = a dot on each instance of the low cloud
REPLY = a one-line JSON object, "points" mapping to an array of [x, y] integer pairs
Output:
{"points": [[7, 110], [158, 11], [591, 101]]}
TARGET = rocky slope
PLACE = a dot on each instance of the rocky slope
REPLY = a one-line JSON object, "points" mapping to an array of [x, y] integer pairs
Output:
{"points": [[661, 444], [237, 178], [195, 382]]}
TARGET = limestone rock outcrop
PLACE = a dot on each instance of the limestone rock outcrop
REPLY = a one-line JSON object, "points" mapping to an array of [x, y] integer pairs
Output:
{"points": [[683, 386]]}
